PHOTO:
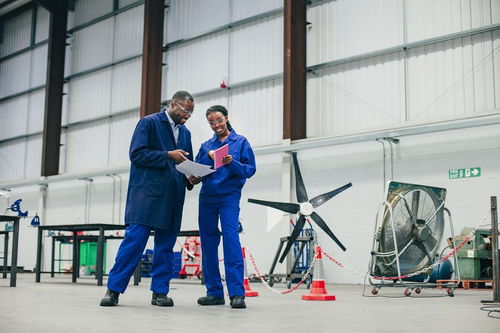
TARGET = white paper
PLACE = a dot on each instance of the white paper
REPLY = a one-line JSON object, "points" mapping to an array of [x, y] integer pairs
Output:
{"points": [[190, 168]]}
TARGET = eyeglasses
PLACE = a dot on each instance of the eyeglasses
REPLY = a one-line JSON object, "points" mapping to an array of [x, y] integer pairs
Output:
{"points": [[217, 121], [189, 112]]}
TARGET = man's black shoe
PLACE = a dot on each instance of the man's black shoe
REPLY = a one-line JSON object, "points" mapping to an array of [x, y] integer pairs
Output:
{"points": [[210, 300], [110, 299], [162, 300], [238, 302]]}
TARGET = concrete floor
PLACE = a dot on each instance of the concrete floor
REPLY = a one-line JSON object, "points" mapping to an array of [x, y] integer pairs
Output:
{"points": [[57, 305]]}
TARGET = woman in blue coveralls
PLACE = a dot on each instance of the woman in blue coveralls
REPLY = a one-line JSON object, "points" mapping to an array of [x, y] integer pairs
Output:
{"points": [[220, 198]]}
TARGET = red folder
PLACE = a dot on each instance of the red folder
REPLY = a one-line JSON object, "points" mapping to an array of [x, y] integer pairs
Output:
{"points": [[219, 155]]}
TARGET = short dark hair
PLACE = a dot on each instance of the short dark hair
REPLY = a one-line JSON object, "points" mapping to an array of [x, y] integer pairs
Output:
{"points": [[182, 95]]}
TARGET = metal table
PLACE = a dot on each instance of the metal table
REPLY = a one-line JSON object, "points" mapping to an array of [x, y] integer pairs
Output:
{"points": [[15, 245], [101, 238]]}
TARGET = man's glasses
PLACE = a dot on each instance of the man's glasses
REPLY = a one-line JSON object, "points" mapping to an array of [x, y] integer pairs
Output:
{"points": [[189, 112]]}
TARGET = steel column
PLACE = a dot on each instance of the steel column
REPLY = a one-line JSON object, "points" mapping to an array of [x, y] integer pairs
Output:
{"points": [[152, 57], [294, 72], [54, 87]]}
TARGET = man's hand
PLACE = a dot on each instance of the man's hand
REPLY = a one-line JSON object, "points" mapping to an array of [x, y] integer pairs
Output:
{"points": [[193, 180], [211, 154], [178, 155]]}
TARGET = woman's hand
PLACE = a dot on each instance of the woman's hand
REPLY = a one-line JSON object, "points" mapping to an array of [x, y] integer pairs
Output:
{"points": [[211, 154], [193, 180], [227, 159]]}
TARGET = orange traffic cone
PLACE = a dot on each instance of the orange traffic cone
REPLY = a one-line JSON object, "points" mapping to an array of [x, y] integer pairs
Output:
{"points": [[248, 292], [318, 291]]}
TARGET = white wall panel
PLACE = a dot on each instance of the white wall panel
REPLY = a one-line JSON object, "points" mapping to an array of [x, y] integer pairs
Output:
{"points": [[93, 46], [356, 97], [42, 24], [453, 79], [12, 160], [241, 9], [121, 131], [13, 117], [87, 146], [16, 33], [38, 71], [198, 124], [430, 18], [65, 203], [15, 74], [87, 10], [496, 66], [36, 111], [256, 112], [196, 66], [126, 86], [256, 50], [129, 27], [186, 18], [90, 96], [123, 3], [344, 28], [33, 165]]}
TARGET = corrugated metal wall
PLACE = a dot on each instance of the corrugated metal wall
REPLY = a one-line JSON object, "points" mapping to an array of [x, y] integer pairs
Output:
{"points": [[361, 87], [361, 79], [21, 110]]}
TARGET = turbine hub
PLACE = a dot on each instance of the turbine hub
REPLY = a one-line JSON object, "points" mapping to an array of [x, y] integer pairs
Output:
{"points": [[306, 208]]}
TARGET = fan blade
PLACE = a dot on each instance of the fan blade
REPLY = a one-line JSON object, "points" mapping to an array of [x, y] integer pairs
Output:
{"points": [[415, 202], [295, 233], [299, 183], [322, 198], [322, 224], [292, 208]]}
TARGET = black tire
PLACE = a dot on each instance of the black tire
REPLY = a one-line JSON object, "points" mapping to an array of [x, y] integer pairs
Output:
{"points": [[271, 282], [374, 291], [308, 282], [289, 283]]}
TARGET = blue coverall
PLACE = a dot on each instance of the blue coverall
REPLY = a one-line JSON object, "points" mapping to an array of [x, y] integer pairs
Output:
{"points": [[155, 199], [220, 197]]}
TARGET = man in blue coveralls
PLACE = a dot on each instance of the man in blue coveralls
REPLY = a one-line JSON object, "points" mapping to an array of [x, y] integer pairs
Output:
{"points": [[155, 198]]}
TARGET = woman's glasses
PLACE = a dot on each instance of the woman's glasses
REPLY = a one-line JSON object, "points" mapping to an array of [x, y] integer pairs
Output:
{"points": [[217, 121]]}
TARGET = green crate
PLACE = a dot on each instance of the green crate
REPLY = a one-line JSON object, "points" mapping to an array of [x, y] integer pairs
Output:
{"points": [[88, 257]]}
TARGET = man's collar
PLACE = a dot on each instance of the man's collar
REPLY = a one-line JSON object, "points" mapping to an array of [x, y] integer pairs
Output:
{"points": [[172, 123]]}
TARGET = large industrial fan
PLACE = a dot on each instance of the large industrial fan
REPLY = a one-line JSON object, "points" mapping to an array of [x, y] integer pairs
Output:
{"points": [[408, 237], [304, 208]]}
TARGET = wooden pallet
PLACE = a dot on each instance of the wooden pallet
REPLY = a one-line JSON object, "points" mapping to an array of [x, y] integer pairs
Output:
{"points": [[467, 284]]}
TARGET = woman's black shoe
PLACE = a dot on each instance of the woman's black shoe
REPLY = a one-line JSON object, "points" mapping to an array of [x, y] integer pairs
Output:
{"points": [[162, 300], [238, 302], [110, 299], [210, 300]]}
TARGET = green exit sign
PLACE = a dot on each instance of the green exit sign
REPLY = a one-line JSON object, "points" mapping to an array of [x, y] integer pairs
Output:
{"points": [[464, 173]]}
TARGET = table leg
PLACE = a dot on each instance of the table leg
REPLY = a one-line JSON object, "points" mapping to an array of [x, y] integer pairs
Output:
{"points": [[53, 257], [38, 255], [5, 253], [15, 245], [75, 269], [100, 257], [137, 274]]}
